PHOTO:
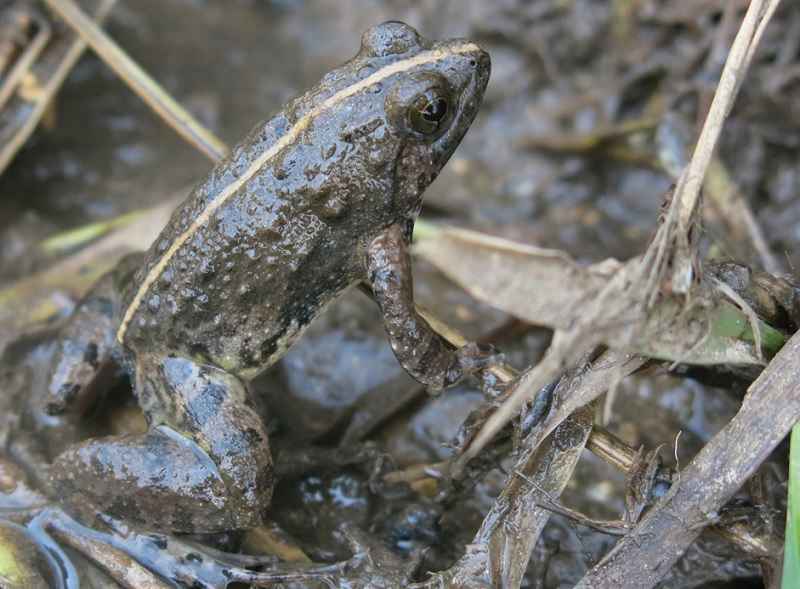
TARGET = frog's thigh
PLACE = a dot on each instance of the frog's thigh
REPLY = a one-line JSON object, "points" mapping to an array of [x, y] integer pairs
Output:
{"points": [[204, 466]]}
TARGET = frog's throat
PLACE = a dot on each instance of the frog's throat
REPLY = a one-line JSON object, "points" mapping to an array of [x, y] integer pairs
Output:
{"points": [[290, 136]]}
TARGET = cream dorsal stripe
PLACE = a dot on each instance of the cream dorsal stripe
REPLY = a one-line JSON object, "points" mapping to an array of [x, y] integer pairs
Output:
{"points": [[289, 137]]}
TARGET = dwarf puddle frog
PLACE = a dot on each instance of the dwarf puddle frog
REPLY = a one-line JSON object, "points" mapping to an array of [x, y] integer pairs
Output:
{"points": [[316, 199]]}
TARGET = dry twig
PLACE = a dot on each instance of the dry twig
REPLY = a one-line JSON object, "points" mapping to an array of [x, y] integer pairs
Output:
{"points": [[140, 82], [770, 409]]}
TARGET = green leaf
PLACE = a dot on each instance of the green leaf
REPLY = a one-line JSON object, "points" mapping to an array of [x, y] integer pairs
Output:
{"points": [[731, 322], [791, 549]]}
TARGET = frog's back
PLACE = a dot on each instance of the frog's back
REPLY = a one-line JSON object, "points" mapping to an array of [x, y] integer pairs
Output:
{"points": [[257, 249], [233, 283], [277, 229]]}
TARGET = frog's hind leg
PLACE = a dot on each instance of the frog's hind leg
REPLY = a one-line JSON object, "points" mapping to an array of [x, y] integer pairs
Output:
{"points": [[204, 466], [83, 361]]}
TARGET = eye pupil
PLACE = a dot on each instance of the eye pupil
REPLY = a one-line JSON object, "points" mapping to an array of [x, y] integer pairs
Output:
{"points": [[428, 114], [435, 110]]}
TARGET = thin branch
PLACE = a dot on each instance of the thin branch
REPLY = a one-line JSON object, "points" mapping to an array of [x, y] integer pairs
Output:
{"points": [[741, 54]]}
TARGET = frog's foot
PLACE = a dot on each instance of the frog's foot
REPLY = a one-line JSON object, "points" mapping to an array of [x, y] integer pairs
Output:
{"points": [[83, 363], [134, 558], [471, 359], [210, 470], [371, 566]]}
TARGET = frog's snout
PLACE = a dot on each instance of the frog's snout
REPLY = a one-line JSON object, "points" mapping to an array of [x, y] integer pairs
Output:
{"points": [[473, 65], [483, 68], [483, 62]]}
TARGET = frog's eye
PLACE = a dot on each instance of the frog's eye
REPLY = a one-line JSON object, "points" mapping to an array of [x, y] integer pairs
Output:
{"points": [[428, 112], [421, 105]]}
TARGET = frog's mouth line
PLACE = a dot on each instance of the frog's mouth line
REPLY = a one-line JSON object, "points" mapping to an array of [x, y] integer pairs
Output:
{"points": [[429, 56]]}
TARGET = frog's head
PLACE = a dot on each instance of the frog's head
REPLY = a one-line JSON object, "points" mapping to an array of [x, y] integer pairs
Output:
{"points": [[398, 110], [431, 94]]}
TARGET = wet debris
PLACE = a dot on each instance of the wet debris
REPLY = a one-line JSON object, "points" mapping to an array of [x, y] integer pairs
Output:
{"points": [[36, 55]]}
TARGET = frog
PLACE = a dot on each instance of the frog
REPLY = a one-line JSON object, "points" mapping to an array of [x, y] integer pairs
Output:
{"points": [[317, 199]]}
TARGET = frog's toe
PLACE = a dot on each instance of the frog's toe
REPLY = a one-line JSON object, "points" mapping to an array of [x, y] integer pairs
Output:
{"points": [[471, 359]]}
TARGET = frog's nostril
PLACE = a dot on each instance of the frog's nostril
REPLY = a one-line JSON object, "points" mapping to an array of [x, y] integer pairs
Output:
{"points": [[479, 60]]}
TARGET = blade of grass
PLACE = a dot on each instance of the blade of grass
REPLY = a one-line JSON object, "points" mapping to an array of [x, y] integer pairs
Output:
{"points": [[75, 238], [741, 53], [791, 549]]}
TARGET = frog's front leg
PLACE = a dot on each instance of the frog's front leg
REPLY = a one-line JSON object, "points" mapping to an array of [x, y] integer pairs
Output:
{"points": [[204, 465], [424, 354]]}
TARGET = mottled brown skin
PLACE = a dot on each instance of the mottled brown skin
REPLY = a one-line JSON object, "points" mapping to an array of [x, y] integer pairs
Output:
{"points": [[217, 301]]}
